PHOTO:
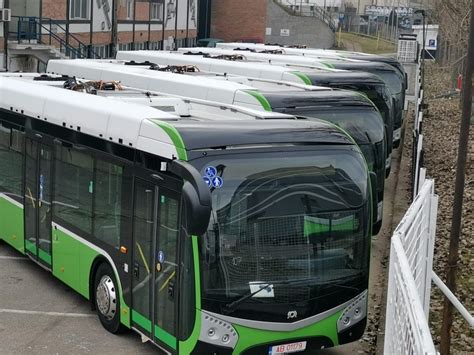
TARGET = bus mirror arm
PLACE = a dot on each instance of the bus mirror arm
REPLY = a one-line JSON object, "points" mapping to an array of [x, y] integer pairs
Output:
{"points": [[373, 185], [196, 196]]}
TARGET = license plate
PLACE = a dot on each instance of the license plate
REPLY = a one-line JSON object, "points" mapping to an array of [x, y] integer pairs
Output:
{"points": [[288, 348]]}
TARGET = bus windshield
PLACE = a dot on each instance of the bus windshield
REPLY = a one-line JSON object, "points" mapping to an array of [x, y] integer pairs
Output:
{"points": [[297, 222], [394, 81], [363, 123]]}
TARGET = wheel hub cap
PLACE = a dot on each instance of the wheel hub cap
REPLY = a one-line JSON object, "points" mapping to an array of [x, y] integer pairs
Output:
{"points": [[106, 297]]}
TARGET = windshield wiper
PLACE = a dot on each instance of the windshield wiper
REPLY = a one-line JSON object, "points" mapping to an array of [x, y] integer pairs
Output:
{"points": [[231, 306]]}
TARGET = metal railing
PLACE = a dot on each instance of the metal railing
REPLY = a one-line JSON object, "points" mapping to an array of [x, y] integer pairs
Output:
{"points": [[409, 286], [50, 32], [411, 259], [296, 8]]}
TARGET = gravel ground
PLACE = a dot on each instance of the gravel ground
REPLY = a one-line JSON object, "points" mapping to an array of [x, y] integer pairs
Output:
{"points": [[441, 130]]}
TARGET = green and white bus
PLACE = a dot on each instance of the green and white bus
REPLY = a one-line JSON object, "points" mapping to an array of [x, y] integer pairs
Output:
{"points": [[352, 111], [205, 236]]}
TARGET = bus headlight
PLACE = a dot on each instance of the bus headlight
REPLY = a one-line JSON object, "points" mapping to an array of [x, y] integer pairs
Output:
{"points": [[353, 313], [217, 332]]}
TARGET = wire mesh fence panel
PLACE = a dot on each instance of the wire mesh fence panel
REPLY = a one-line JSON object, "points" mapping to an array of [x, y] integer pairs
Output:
{"points": [[406, 329]]}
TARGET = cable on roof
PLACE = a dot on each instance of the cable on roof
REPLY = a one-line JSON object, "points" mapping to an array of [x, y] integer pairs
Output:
{"points": [[245, 49], [232, 57], [91, 87], [298, 46], [176, 69], [272, 51]]}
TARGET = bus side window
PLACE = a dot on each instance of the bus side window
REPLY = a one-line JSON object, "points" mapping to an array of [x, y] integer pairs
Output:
{"points": [[168, 233], [4, 158], [74, 188], [11, 161], [108, 216]]}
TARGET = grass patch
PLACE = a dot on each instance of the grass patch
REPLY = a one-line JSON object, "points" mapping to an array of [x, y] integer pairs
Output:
{"points": [[366, 44]]}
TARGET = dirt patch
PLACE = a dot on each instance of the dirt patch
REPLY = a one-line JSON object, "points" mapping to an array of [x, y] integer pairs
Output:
{"points": [[441, 131]]}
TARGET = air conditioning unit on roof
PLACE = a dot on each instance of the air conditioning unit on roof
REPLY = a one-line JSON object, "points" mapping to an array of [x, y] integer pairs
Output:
{"points": [[5, 15]]}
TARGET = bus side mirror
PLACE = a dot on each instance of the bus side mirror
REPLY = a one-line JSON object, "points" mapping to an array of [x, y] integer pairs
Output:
{"points": [[376, 225], [197, 215], [196, 197]]}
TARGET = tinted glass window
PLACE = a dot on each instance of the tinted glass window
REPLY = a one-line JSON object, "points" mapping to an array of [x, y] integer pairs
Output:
{"points": [[108, 203], [394, 81], [74, 187], [11, 161], [298, 222], [364, 124], [165, 282]]}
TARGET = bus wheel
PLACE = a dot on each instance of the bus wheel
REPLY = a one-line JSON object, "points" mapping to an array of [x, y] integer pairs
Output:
{"points": [[107, 298]]}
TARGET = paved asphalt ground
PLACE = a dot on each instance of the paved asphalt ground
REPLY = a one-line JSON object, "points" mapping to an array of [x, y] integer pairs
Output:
{"points": [[41, 315]]}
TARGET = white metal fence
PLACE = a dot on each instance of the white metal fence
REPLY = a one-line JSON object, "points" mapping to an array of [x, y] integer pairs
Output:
{"points": [[408, 297], [411, 260]]}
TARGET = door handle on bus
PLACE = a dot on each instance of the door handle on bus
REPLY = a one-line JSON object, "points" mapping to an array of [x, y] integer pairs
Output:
{"points": [[136, 270], [171, 290]]}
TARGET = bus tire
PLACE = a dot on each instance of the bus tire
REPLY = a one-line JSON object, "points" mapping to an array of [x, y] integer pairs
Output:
{"points": [[107, 299]]}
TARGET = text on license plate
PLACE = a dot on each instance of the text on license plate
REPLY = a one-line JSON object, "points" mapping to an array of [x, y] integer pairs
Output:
{"points": [[288, 348]]}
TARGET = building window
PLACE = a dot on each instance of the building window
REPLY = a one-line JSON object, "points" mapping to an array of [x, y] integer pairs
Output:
{"points": [[129, 6], [157, 11], [101, 51], [79, 9], [139, 46], [125, 46], [155, 45]]}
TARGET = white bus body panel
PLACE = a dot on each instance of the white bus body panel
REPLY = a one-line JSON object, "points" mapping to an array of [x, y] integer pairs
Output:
{"points": [[254, 70], [274, 59], [160, 82], [93, 115], [307, 52]]}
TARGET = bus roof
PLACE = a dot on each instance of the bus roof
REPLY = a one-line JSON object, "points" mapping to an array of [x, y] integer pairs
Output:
{"points": [[221, 73], [307, 65], [318, 53], [269, 58], [184, 107], [255, 70], [151, 130], [180, 85]]}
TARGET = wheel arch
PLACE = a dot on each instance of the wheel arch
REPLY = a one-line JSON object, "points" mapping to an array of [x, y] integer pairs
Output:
{"points": [[94, 267]]}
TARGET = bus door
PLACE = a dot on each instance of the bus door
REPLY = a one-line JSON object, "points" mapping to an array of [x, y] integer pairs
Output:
{"points": [[38, 184], [154, 266]]}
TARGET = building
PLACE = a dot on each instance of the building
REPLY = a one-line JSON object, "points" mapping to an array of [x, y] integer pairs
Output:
{"points": [[275, 21], [44, 29]]}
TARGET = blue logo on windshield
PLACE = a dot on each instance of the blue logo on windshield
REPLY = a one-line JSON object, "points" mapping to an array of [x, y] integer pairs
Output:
{"points": [[211, 171], [207, 181], [217, 182]]}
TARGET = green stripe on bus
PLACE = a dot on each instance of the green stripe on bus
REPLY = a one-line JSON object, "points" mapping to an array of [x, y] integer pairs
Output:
{"points": [[11, 224], [142, 321], [262, 99], [72, 262], [44, 256], [165, 337], [187, 346], [328, 65], [175, 138], [303, 77], [31, 247]]}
